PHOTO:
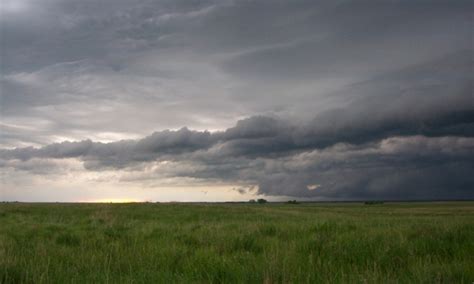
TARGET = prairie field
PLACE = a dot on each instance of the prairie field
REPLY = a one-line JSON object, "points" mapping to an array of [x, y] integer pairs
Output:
{"points": [[428, 242]]}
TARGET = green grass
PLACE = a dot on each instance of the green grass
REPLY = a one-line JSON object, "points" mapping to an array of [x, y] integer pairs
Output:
{"points": [[235, 243]]}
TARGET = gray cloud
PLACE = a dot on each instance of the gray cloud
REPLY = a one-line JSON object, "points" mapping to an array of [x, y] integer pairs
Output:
{"points": [[414, 167], [113, 65], [341, 99], [285, 159], [262, 136]]}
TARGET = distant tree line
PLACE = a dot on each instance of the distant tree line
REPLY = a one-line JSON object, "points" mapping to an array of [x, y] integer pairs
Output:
{"points": [[373, 202], [260, 201]]}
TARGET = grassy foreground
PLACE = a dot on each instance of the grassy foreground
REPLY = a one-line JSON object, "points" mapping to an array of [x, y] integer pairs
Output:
{"points": [[271, 243]]}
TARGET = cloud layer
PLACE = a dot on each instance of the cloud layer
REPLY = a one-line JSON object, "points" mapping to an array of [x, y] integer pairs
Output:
{"points": [[425, 157], [319, 99]]}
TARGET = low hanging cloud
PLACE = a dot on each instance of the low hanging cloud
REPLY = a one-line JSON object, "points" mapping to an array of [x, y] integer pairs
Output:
{"points": [[398, 157], [385, 143], [257, 136]]}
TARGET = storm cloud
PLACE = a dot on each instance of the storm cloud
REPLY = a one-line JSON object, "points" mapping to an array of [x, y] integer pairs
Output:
{"points": [[382, 162], [337, 100]]}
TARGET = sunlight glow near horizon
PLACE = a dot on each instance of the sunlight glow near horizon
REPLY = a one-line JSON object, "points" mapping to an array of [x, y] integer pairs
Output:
{"points": [[115, 192], [112, 200]]}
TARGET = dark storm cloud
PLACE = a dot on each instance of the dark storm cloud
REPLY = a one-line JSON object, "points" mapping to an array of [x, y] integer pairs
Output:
{"points": [[357, 38], [433, 99], [416, 167], [116, 44], [287, 159], [261, 136], [56, 31], [343, 99]]}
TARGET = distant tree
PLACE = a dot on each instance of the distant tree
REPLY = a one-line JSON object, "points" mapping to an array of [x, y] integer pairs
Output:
{"points": [[292, 202], [252, 201], [261, 200]]}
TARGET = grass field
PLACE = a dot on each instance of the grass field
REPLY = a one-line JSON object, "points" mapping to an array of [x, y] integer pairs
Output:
{"points": [[257, 243]]}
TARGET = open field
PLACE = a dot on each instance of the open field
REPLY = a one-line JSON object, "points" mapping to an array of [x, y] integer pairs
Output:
{"points": [[270, 243]]}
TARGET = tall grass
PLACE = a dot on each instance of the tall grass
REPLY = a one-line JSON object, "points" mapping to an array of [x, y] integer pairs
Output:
{"points": [[269, 243]]}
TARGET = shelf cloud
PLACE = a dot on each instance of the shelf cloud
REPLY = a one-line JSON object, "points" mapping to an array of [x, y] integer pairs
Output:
{"points": [[334, 100]]}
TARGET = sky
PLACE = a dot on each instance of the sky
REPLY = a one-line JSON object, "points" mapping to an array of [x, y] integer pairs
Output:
{"points": [[230, 100]]}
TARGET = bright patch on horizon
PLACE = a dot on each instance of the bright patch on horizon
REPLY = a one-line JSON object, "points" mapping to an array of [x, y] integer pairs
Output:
{"points": [[113, 200]]}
